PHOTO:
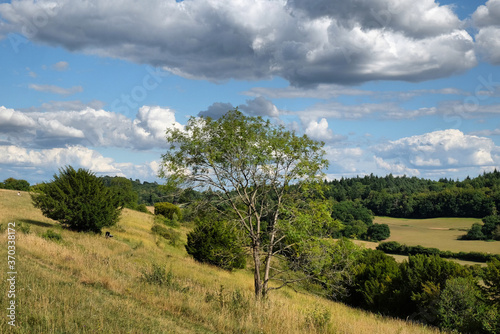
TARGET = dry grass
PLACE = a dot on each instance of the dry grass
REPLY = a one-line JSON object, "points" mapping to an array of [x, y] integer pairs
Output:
{"points": [[89, 284], [441, 233]]}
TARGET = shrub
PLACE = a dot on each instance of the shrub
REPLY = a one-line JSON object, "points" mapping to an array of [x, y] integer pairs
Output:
{"points": [[78, 199], [216, 243], [378, 232], [52, 235], [142, 208], [168, 210], [460, 307]]}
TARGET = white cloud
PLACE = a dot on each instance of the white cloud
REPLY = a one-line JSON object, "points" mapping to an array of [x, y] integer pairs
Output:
{"points": [[40, 165], [487, 18], [319, 130], [305, 42], [441, 150], [88, 127]]}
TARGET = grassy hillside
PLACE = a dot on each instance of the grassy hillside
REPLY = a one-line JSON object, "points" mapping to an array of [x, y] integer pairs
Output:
{"points": [[88, 284]]}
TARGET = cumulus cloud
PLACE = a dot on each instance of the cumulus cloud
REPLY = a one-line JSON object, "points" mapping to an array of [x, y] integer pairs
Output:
{"points": [[305, 42], [260, 106], [40, 165], [319, 130], [56, 89], [441, 149], [88, 127], [487, 19]]}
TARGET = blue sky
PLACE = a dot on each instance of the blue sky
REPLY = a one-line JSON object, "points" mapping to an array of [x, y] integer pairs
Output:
{"points": [[402, 87]]}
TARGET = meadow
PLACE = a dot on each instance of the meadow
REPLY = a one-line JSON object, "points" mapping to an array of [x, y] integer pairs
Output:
{"points": [[441, 233], [137, 282]]}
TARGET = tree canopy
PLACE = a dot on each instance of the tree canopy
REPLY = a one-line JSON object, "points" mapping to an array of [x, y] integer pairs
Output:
{"points": [[249, 164]]}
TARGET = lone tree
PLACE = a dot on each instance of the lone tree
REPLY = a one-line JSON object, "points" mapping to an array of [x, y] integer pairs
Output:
{"points": [[78, 199], [250, 165]]}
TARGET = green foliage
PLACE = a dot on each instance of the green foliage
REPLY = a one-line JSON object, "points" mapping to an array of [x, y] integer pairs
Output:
{"points": [[378, 232], [142, 208], [168, 210], [52, 235], [460, 306], [123, 190], [14, 184], [419, 198], [249, 165], [349, 211], [491, 279], [421, 281], [373, 285], [217, 243], [167, 233], [327, 262], [475, 233], [394, 247], [78, 200]]}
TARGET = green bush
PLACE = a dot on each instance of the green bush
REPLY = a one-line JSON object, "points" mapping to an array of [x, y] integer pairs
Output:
{"points": [[142, 208], [216, 243], [79, 200], [52, 235], [168, 210], [378, 232]]}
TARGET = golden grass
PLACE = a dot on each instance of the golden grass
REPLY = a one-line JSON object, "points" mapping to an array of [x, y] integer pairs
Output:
{"points": [[441, 233], [89, 284]]}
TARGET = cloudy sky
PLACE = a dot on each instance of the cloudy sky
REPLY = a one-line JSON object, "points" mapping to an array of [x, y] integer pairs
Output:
{"points": [[391, 86]]}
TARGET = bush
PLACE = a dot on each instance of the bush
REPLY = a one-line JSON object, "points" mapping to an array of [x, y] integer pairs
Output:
{"points": [[378, 232], [216, 243], [79, 200], [168, 210], [14, 184], [52, 235], [142, 208]]}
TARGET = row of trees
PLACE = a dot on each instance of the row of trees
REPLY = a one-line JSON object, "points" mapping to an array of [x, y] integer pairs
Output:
{"points": [[419, 198]]}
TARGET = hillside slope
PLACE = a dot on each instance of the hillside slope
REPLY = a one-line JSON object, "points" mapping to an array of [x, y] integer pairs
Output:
{"points": [[86, 283]]}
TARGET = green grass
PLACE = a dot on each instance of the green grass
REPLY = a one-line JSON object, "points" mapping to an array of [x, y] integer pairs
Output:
{"points": [[86, 283]]}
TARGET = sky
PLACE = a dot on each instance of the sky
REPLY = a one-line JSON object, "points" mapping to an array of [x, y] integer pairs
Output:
{"points": [[390, 86]]}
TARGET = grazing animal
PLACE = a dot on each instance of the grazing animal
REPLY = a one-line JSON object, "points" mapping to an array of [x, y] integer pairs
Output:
{"points": [[108, 235]]}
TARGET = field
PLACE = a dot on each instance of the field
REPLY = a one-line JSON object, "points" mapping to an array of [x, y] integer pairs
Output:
{"points": [[441, 233], [89, 284]]}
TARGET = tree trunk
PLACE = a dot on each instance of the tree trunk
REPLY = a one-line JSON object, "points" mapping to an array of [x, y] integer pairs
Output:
{"points": [[256, 259]]}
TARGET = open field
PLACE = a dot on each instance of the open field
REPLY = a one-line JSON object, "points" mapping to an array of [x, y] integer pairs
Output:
{"points": [[89, 284], [441, 233]]}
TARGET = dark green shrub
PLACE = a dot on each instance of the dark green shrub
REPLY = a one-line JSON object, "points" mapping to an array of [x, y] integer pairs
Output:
{"points": [[142, 208], [52, 235], [216, 243], [378, 232], [79, 200], [14, 184], [168, 210]]}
